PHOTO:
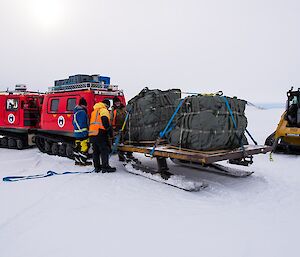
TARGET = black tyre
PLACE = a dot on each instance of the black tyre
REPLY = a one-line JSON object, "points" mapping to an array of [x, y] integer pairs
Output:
{"points": [[47, 147], [270, 139], [20, 144], [40, 143], [55, 149], [4, 141], [70, 152], [12, 143], [62, 150]]}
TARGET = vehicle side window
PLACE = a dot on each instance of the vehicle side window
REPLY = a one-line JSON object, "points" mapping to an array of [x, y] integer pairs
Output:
{"points": [[71, 104], [12, 104], [54, 105]]}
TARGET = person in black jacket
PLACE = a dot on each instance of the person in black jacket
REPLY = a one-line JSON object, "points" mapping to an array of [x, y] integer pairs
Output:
{"points": [[99, 132]]}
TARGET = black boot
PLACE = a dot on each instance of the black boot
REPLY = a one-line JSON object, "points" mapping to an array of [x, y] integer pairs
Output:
{"points": [[88, 163], [84, 159], [84, 162], [98, 169], [108, 169], [130, 156]]}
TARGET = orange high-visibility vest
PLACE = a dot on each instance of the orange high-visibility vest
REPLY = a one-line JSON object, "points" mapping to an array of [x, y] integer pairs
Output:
{"points": [[113, 117], [113, 123], [96, 122]]}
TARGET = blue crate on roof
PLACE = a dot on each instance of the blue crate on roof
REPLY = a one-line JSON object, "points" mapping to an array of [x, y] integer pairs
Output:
{"points": [[105, 80], [81, 78]]}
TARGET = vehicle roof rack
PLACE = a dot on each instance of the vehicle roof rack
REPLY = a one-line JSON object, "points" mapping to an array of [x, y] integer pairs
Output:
{"points": [[84, 86], [17, 92]]}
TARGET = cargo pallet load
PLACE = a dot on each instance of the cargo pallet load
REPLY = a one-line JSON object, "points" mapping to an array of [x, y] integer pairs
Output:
{"points": [[229, 125]]}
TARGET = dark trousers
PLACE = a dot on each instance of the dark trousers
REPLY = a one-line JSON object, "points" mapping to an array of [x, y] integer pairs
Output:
{"points": [[101, 148]]}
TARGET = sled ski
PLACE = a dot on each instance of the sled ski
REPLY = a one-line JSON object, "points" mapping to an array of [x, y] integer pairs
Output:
{"points": [[215, 168], [202, 160], [163, 176]]}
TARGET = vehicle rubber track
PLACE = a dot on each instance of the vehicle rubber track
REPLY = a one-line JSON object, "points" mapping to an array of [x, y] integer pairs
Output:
{"points": [[55, 145]]}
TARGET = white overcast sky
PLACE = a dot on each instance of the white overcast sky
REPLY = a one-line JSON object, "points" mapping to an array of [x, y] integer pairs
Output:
{"points": [[247, 48]]}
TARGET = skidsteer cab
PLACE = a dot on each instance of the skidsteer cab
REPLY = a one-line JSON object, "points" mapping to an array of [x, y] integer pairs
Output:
{"points": [[55, 135], [286, 138], [19, 117]]}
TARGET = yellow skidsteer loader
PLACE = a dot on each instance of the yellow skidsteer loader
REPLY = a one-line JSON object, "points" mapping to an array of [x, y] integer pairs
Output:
{"points": [[286, 138]]}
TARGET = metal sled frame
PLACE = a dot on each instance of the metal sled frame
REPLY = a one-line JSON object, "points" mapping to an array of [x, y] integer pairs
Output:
{"points": [[202, 160]]}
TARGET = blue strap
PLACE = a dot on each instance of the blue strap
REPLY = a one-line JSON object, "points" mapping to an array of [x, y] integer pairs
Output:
{"points": [[118, 137], [234, 123], [116, 143], [168, 128], [230, 111], [48, 174], [162, 134], [233, 120]]}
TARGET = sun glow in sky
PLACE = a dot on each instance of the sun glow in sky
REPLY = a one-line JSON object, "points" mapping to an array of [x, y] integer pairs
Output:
{"points": [[47, 14], [245, 48]]}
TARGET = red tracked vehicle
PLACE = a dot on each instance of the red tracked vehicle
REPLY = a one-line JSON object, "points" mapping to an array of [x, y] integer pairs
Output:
{"points": [[19, 117], [55, 135]]}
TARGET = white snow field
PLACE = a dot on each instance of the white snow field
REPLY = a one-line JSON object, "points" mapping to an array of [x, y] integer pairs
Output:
{"points": [[122, 214]]}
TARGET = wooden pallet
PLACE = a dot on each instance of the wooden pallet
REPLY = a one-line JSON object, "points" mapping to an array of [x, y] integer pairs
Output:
{"points": [[205, 157]]}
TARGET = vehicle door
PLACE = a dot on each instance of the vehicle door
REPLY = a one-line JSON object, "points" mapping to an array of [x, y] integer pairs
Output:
{"points": [[31, 111]]}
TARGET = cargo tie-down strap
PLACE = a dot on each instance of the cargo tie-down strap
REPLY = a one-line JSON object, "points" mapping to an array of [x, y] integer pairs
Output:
{"points": [[168, 127], [48, 174], [234, 122]]}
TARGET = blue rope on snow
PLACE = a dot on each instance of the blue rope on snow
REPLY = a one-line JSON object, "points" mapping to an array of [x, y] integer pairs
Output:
{"points": [[48, 174]]}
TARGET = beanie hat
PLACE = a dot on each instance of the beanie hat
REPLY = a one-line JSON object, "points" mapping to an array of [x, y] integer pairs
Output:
{"points": [[106, 102], [116, 99], [82, 101]]}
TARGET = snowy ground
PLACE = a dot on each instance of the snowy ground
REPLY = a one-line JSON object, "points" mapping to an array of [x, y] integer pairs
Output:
{"points": [[125, 215]]}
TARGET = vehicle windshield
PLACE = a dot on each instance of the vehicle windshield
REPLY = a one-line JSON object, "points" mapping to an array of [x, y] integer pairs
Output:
{"points": [[294, 100]]}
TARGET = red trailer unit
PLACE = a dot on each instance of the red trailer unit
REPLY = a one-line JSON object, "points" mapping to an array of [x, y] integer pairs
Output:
{"points": [[19, 117], [55, 135]]}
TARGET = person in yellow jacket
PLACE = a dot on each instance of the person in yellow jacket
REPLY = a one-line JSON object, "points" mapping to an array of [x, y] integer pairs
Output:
{"points": [[99, 132]]}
